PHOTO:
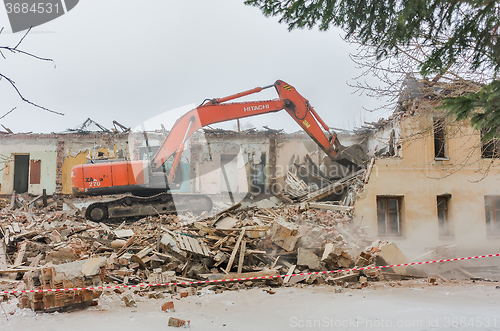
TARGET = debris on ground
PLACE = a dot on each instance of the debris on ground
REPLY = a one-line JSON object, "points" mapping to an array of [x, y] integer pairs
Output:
{"points": [[50, 248], [45, 247]]}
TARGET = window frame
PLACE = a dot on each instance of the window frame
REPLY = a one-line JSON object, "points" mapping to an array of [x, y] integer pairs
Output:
{"points": [[490, 149], [447, 221], [387, 212], [496, 222], [439, 135]]}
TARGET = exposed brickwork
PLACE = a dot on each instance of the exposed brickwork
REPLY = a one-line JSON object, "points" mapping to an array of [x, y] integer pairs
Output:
{"points": [[59, 164], [272, 164]]}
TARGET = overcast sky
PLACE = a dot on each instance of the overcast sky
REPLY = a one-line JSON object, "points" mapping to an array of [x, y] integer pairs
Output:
{"points": [[132, 60]]}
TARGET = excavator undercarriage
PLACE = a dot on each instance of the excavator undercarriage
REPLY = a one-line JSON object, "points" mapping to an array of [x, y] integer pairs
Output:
{"points": [[134, 206]]}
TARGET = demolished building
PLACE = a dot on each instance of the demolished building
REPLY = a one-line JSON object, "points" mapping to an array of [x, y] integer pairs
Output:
{"points": [[433, 181], [428, 176]]}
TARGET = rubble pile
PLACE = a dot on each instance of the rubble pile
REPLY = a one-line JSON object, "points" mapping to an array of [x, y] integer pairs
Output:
{"points": [[240, 242], [44, 247]]}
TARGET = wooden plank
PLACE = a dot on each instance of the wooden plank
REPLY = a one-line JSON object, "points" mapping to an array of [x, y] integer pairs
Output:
{"points": [[20, 254], [242, 256], [35, 199], [206, 252], [35, 261], [145, 251], [217, 217], [289, 274], [180, 242], [195, 245], [235, 250], [128, 243], [320, 205], [275, 261], [342, 278], [19, 257], [369, 170], [222, 257], [331, 189], [204, 228], [187, 244], [15, 271], [187, 264], [3, 256], [220, 242], [284, 198], [234, 275]]}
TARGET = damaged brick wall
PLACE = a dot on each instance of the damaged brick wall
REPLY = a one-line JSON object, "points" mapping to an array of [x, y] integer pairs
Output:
{"points": [[56, 154]]}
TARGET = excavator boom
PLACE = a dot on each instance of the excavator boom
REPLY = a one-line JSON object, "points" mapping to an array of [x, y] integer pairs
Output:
{"points": [[216, 111]]}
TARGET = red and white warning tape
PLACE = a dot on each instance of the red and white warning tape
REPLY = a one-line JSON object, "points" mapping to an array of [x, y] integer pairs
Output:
{"points": [[248, 278]]}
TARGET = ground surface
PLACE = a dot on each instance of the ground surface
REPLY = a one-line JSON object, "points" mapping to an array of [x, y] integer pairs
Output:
{"points": [[411, 305]]}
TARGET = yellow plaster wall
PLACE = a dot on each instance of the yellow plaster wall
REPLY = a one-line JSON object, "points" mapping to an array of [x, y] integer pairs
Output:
{"points": [[81, 158], [419, 179]]}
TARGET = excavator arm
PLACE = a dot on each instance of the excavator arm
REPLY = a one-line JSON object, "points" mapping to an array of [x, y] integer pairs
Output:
{"points": [[218, 110], [151, 192]]}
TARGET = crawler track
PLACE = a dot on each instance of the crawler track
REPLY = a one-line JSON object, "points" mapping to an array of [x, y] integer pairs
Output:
{"points": [[163, 203]]}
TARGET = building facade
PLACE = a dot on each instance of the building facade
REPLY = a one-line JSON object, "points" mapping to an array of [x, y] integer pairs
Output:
{"points": [[434, 182]]}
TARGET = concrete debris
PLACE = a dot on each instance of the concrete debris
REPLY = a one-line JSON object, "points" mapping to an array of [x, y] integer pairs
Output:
{"points": [[306, 258], [76, 274], [175, 322], [129, 301], [285, 234], [46, 247], [383, 253]]}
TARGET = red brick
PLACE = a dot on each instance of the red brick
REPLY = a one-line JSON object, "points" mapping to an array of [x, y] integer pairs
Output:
{"points": [[167, 306]]}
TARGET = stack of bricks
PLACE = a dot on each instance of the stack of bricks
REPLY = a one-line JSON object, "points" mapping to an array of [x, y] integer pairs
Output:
{"points": [[64, 276]]}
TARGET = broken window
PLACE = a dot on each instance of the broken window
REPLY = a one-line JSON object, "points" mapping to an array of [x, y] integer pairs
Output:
{"points": [[258, 176], [389, 216], [439, 138], [489, 148], [492, 211], [443, 219]]}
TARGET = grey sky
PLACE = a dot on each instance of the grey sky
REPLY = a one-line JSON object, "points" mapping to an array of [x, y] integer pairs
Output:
{"points": [[132, 60]]}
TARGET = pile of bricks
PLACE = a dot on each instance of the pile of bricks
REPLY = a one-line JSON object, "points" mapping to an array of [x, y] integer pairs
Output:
{"points": [[49, 248]]}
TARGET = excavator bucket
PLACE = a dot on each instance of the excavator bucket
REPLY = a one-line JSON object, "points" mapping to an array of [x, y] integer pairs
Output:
{"points": [[353, 156]]}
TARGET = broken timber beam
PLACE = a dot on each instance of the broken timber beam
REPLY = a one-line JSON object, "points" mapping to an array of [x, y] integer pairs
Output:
{"points": [[333, 188], [263, 273], [3, 256], [235, 250], [242, 256], [289, 274], [320, 205]]}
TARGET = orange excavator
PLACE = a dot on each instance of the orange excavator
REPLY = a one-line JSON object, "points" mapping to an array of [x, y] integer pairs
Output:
{"points": [[150, 181]]}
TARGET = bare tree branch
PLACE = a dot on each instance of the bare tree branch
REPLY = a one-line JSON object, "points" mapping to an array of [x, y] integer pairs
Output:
{"points": [[13, 84], [7, 113], [16, 50]]}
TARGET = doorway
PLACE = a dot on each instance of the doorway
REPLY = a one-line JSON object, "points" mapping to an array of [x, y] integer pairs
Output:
{"points": [[21, 173]]}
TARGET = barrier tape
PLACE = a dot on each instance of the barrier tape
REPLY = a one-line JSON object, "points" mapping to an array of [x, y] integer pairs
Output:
{"points": [[248, 278]]}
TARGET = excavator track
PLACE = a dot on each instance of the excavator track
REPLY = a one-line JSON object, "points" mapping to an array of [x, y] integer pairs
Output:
{"points": [[134, 206]]}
